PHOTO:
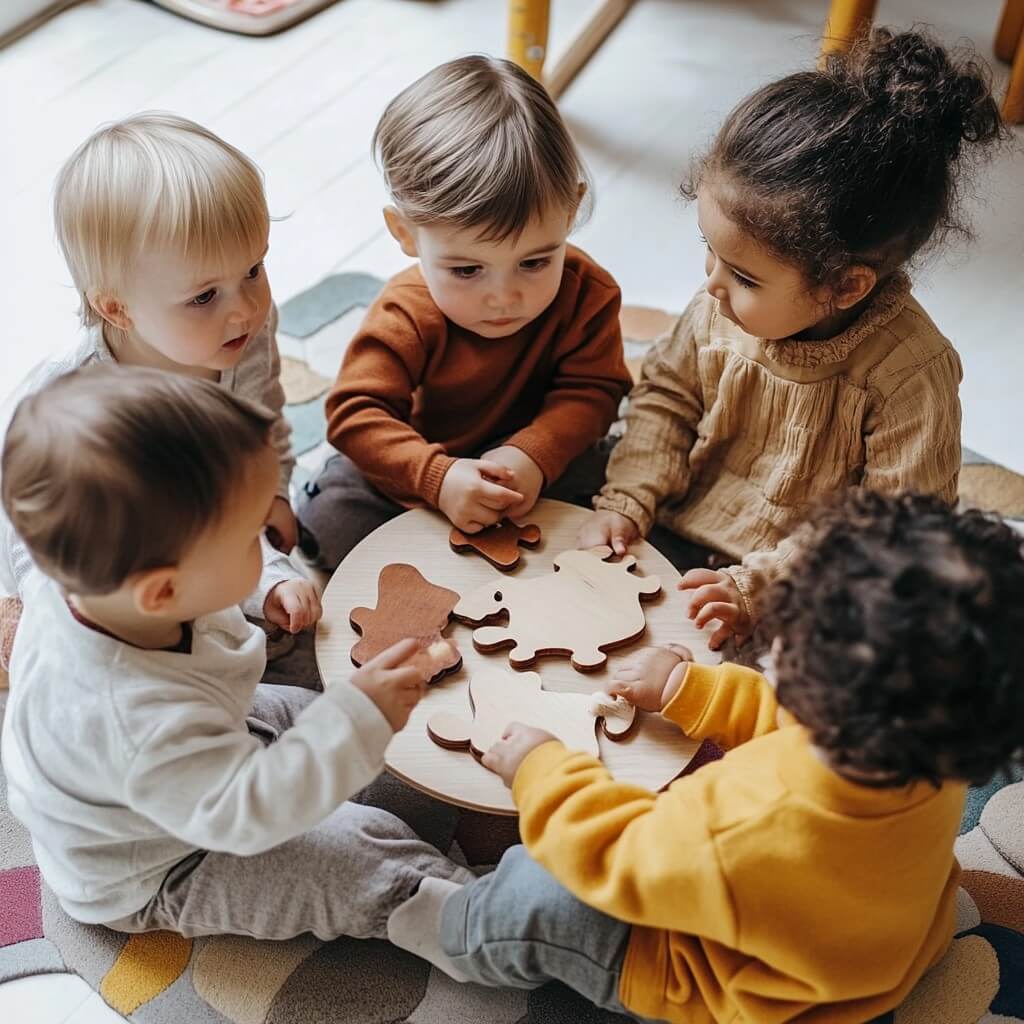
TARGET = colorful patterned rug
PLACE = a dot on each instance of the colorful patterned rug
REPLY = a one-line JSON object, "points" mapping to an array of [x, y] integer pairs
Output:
{"points": [[163, 979], [160, 978]]}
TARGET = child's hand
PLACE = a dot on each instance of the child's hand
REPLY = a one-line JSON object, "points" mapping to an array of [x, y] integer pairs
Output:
{"points": [[646, 679], [527, 476], [394, 687], [293, 605], [607, 529], [505, 757], [716, 596], [476, 493], [282, 529]]}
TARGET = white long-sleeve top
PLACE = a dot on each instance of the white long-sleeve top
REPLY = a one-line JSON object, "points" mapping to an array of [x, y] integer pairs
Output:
{"points": [[257, 377], [122, 761]]}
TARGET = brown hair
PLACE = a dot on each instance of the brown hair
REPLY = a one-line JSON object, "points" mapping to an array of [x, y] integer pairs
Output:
{"points": [[477, 143], [112, 470], [902, 638], [860, 161]]}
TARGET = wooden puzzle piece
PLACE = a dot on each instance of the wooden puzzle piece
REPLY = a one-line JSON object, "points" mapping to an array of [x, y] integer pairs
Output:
{"points": [[497, 698], [408, 606], [499, 543], [583, 609]]}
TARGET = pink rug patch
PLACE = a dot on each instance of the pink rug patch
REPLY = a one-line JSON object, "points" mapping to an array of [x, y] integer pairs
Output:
{"points": [[22, 917]]}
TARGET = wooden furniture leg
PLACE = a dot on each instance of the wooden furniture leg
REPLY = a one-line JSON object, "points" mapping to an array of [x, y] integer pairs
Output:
{"points": [[847, 19], [528, 39], [1010, 46], [1011, 25], [528, 34], [602, 21]]}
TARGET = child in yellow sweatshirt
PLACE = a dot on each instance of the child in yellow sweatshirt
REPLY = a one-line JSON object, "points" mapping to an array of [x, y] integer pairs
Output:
{"points": [[809, 874]]}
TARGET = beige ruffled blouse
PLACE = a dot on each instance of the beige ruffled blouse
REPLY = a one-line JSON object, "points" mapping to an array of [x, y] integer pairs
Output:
{"points": [[730, 438]]}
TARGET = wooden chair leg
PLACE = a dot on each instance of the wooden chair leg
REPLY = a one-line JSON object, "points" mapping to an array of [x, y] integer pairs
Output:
{"points": [[1011, 28], [528, 34], [847, 19], [599, 25], [1013, 104]]}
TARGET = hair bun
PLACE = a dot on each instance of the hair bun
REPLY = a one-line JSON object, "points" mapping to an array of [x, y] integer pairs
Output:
{"points": [[914, 80]]}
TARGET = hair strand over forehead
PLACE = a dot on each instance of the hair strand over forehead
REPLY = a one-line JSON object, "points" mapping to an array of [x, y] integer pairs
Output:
{"points": [[154, 180], [478, 144]]}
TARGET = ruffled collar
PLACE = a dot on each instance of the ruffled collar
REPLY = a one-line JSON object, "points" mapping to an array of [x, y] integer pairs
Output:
{"points": [[886, 305]]}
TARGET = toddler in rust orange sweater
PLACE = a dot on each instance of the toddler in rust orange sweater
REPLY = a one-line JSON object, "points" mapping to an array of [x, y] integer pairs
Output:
{"points": [[485, 374]]}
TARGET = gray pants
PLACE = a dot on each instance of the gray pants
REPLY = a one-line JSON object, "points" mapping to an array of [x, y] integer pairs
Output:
{"points": [[340, 506], [343, 877], [520, 928]]}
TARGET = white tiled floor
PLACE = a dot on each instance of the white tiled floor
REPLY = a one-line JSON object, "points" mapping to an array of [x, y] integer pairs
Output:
{"points": [[304, 104]]}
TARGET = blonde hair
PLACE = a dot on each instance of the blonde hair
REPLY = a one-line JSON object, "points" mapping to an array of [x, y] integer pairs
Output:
{"points": [[87, 482], [154, 179], [478, 144]]}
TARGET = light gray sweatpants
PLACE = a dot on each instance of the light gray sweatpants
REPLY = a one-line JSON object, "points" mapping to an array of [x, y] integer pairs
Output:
{"points": [[343, 877]]}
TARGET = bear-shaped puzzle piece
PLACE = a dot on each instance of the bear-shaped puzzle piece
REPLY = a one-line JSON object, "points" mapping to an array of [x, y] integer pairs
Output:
{"points": [[499, 543], [587, 606], [408, 606], [497, 697]]}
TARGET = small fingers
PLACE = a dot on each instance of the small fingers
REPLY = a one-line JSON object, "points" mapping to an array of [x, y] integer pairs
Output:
{"points": [[698, 578], [719, 636], [494, 469], [705, 595], [395, 654], [724, 611], [498, 496]]}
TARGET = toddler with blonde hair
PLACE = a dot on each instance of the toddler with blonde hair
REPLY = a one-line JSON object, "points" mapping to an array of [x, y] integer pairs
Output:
{"points": [[165, 227]]}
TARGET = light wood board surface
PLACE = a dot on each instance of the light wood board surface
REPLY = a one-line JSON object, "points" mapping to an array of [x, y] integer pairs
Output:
{"points": [[651, 756]]}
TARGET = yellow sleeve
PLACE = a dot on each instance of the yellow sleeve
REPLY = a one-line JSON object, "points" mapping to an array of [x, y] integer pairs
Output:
{"points": [[643, 858], [726, 703]]}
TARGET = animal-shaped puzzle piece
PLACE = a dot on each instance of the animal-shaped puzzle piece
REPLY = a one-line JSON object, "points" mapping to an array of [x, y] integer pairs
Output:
{"points": [[408, 606], [583, 609], [499, 543], [497, 698]]}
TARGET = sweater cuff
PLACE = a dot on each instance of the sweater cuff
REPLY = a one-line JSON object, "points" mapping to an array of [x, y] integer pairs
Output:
{"points": [[746, 583], [551, 460], [277, 568], [616, 501], [433, 477], [691, 700], [536, 769]]}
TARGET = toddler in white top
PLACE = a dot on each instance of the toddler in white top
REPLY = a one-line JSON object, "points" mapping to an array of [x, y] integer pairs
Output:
{"points": [[163, 786]]}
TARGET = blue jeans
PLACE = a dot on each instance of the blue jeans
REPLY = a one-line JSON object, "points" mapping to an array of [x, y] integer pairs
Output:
{"points": [[519, 928]]}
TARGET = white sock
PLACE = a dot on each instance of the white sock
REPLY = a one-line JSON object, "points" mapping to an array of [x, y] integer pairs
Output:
{"points": [[415, 925]]}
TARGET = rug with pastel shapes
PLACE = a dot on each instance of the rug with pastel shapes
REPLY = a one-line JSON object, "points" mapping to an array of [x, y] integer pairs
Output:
{"points": [[161, 978]]}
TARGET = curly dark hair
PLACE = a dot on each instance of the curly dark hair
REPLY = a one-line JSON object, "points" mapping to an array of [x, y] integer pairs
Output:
{"points": [[901, 628], [859, 162]]}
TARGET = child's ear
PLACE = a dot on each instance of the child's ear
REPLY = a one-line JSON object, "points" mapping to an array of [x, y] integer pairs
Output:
{"points": [[401, 230], [112, 310], [854, 284], [155, 591], [581, 191]]}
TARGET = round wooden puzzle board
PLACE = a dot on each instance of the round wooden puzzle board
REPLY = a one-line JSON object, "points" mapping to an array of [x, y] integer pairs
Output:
{"points": [[651, 756]]}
